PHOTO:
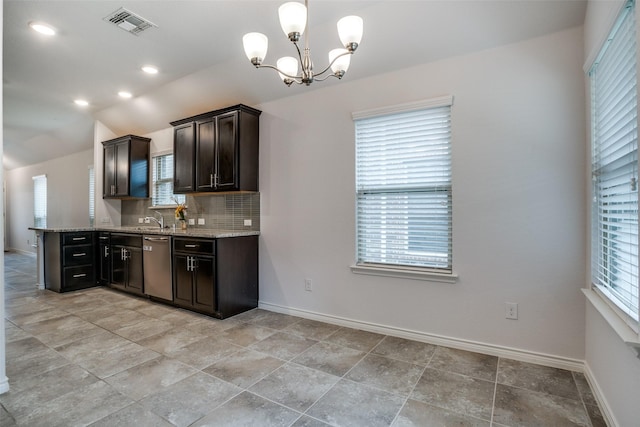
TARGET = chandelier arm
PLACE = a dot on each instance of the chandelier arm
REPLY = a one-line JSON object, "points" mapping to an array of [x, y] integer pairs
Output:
{"points": [[296, 79], [325, 77], [331, 63], [299, 53]]}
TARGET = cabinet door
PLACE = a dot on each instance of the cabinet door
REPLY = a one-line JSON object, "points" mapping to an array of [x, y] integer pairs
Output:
{"points": [[122, 169], [184, 151], [204, 297], [109, 181], [205, 154], [104, 258], [227, 152], [134, 269], [182, 282], [118, 266]]}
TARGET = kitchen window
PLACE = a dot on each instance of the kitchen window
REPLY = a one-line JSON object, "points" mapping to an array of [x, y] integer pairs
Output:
{"points": [[40, 201], [614, 167], [163, 182], [403, 191]]}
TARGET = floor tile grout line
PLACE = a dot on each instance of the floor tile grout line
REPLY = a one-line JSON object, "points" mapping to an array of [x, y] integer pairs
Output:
{"points": [[60, 302], [495, 391]]}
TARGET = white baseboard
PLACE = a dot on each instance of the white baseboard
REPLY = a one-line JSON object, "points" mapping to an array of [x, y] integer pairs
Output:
{"points": [[605, 409], [4, 385], [461, 344], [20, 251]]}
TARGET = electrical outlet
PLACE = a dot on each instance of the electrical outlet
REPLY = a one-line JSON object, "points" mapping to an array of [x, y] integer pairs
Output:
{"points": [[140, 220], [308, 285], [147, 220], [247, 223], [192, 221], [200, 221], [511, 310]]}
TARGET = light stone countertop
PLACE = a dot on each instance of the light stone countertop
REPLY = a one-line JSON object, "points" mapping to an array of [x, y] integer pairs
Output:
{"points": [[189, 232]]}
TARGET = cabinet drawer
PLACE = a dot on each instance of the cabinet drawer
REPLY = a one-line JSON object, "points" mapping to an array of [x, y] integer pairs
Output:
{"points": [[78, 238], [78, 277], [133, 240], [77, 255], [194, 246]]}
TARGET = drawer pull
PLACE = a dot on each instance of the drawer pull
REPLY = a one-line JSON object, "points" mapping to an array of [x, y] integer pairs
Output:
{"points": [[82, 254], [75, 276], [79, 238], [191, 246], [104, 238]]}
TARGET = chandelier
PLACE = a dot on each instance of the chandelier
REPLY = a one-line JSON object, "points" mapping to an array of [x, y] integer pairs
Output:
{"points": [[294, 18]]}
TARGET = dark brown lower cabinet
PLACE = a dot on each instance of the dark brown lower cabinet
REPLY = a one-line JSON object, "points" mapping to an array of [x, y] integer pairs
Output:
{"points": [[103, 264], [68, 261], [126, 263], [218, 277]]}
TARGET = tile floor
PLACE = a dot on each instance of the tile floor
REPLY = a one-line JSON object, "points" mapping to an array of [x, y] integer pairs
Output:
{"points": [[103, 358]]}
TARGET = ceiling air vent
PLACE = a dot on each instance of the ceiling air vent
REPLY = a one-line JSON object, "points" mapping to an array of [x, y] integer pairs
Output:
{"points": [[129, 21]]}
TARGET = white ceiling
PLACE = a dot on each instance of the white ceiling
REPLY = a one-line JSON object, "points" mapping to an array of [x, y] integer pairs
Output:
{"points": [[198, 49]]}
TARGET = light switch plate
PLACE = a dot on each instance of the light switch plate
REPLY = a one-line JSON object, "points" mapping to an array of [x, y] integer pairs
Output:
{"points": [[192, 221], [247, 223], [200, 221]]}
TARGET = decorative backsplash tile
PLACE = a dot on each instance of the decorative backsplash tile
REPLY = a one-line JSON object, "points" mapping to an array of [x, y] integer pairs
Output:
{"points": [[221, 211]]}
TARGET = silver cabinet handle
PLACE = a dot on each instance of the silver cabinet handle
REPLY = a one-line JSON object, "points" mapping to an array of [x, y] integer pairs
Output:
{"points": [[75, 276], [75, 239], [191, 246], [106, 251], [211, 180], [81, 254]]}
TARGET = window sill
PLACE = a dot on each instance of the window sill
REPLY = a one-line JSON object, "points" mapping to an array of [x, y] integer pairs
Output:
{"points": [[405, 273], [624, 331], [162, 207]]}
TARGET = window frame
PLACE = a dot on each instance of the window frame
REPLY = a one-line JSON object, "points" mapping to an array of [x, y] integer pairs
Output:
{"points": [[611, 307], [415, 272]]}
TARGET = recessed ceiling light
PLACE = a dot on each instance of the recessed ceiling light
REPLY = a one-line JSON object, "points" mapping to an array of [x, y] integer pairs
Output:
{"points": [[124, 94], [150, 69], [42, 28], [81, 102]]}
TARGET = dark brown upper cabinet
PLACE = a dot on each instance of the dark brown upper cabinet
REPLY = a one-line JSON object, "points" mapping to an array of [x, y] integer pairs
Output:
{"points": [[126, 168], [217, 151]]}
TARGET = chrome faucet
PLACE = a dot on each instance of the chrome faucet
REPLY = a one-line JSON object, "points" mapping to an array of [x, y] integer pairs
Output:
{"points": [[159, 222]]}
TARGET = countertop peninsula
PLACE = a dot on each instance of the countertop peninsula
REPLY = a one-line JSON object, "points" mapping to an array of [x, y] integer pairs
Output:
{"points": [[211, 233]]}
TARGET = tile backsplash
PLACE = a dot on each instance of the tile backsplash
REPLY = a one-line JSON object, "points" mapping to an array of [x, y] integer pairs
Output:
{"points": [[221, 211]]}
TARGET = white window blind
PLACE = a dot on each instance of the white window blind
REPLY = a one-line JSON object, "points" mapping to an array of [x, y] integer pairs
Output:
{"points": [[40, 201], [163, 182], [613, 77], [92, 197], [403, 185]]}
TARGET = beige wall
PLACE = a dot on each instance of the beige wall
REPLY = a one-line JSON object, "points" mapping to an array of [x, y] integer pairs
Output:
{"points": [[518, 200], [67, 197]]}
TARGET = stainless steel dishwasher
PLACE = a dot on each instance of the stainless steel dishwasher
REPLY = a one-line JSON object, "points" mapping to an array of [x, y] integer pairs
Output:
{"points": [[156, 261]]}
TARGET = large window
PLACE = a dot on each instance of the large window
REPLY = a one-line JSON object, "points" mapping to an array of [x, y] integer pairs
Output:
{"points": [[403, 186], [40, 201], [163, 182], [614, 108]]}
